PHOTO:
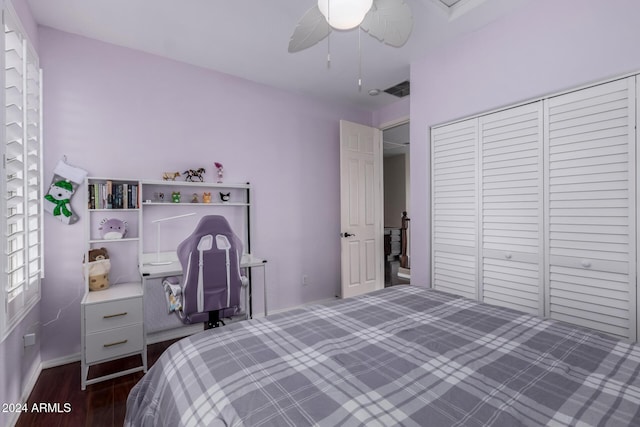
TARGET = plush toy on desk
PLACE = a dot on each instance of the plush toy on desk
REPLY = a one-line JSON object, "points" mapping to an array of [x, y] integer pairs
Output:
{"points": [[113, 228], [98, 269]]}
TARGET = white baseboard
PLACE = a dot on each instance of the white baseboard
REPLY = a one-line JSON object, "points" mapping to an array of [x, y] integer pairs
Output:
{"points": [[71, 358], [172, 334], [32, 378]]}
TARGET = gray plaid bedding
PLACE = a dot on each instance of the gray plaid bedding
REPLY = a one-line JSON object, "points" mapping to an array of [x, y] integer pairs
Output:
{"points": [[400, 356]]}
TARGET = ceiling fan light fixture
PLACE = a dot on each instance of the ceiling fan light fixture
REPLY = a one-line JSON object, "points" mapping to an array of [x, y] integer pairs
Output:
{"points": [[344, 14]]}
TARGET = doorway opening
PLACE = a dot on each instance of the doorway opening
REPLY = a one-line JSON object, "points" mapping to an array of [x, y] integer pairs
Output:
{"points": [[396, 173]]}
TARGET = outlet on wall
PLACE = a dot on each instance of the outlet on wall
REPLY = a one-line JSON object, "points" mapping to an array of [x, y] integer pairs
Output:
{"points": [[29, 340], [305, 280]]}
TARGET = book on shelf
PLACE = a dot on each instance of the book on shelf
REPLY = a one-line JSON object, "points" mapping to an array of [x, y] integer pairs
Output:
{"points": [[111, 195]]}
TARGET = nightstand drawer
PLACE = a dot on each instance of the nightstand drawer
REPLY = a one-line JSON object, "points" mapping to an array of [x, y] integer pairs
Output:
{"points": [[113, 343], [113, 314]]}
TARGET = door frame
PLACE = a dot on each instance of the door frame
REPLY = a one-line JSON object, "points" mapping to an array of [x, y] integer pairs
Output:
{"points": [[382, 127]]}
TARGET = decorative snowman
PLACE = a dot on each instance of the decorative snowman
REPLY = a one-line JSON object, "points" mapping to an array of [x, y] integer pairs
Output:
{"points": [[58, 201]]}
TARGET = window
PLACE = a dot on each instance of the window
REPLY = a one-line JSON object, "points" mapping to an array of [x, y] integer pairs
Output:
{"points": [[22, 176]]}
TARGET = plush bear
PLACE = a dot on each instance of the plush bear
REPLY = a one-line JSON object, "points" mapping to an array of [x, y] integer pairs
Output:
{"points": [[113, 228], [98, 254], [98, 269]]}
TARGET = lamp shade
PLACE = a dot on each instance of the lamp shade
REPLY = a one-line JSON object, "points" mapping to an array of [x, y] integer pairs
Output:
{"points": [[344, 14]]}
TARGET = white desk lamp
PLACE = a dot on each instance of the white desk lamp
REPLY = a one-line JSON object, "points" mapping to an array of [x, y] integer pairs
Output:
{"points": [[158, 222]]}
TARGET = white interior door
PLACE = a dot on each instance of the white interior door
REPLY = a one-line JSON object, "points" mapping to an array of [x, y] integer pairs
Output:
{"points": [[361, 209]]}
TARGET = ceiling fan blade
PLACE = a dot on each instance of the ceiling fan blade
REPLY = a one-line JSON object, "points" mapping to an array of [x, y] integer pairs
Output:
{"points": [[389, 21], [312, 28]]}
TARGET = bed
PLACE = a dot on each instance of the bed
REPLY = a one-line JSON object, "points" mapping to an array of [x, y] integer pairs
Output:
{"points": [[404, 355]]}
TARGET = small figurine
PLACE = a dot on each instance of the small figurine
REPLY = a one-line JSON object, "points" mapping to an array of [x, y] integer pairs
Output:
{"points": [[194, 199], [225, 196], [194, 173], [220, 172], [170, 176], [175, 197], [206, 197]]}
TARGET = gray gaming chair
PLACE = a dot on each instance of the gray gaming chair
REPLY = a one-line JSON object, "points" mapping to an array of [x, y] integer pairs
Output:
{"points": [[210, 259]]}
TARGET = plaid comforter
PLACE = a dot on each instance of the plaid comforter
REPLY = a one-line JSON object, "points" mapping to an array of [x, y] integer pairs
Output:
{"points": [[400, 356]]}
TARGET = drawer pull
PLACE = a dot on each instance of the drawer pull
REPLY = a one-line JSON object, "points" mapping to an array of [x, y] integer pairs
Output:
{"points": [[585, 263], [508, 256], [109, 316], [115, 343]]}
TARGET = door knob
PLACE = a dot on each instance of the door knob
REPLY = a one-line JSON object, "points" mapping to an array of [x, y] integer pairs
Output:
{"points": [[345, 234]]}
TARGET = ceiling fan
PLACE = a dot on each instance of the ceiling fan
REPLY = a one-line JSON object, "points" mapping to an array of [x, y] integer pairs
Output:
{"points": [[389, 21]]}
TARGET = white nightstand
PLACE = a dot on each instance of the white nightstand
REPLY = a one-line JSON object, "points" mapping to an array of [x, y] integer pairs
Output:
{"points": [[112, 328]]}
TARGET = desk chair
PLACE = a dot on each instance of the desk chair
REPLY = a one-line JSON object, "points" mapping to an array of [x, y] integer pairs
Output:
{"points": [[210, 259]]}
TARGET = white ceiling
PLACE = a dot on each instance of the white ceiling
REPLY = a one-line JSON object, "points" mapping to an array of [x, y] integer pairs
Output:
{"points": [[249, 39]]}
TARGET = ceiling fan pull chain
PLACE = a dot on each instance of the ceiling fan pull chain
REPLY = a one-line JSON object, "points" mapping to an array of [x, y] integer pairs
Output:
{"points": [[359, 62], [329, 50], [329, 38]]}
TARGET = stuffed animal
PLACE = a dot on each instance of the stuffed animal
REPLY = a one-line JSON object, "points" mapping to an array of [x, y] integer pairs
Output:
{"points": [[98, 254], [206, 197], [175, 197], [225, 196], [113, 228], [98, 269]]}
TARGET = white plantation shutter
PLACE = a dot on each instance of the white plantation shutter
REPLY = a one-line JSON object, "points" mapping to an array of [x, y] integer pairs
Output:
{"points": [[454, 204], [21, 179], [591, 207], [511, 208]]}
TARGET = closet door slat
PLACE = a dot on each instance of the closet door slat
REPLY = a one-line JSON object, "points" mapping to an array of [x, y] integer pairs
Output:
{"points": [[454, 208], [591, 241], [511, 208]]}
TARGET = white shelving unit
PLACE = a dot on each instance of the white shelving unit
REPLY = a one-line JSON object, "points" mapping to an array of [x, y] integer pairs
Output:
{"points": [[113, 318], [156, 203]]}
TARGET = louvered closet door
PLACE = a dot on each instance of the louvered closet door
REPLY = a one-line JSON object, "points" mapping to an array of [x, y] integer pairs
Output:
{"points": [[591, 198], [511, 213], [454, 208]]}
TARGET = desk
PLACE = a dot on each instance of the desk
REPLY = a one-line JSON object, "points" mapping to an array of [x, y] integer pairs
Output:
{"points": [[173, 268]]}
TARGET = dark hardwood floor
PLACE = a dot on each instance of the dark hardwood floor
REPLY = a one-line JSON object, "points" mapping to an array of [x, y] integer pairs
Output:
{"points": [[101, 404]]}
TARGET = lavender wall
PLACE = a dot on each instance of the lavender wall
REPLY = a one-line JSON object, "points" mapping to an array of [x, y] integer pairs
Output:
{"points": [[544, 47], [392, 112], [122, 113], [17, 363]]}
